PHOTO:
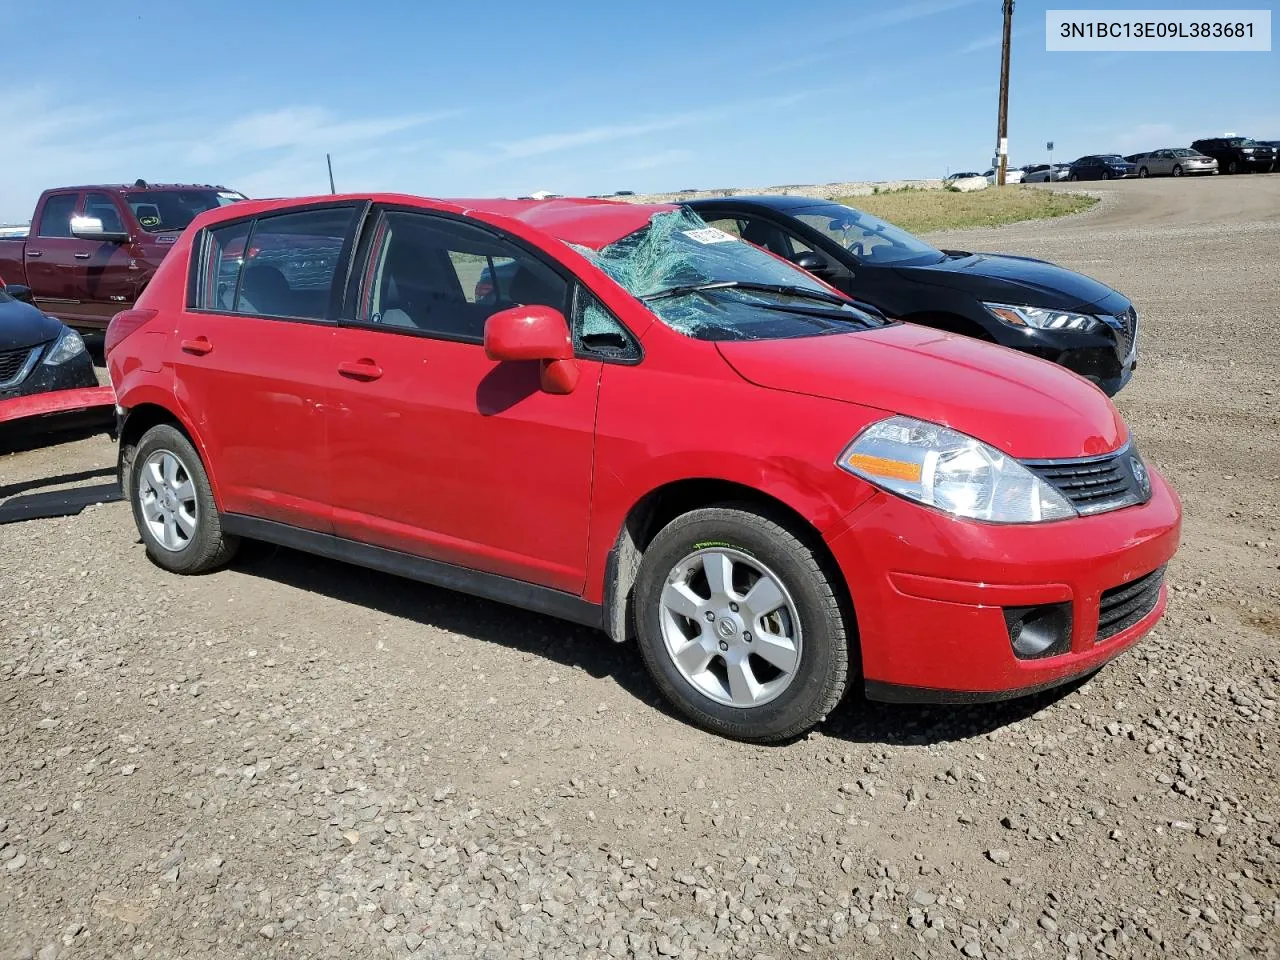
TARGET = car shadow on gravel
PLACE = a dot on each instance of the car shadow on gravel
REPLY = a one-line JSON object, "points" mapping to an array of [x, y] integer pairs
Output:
{"points": [[484, 620], [857, 720]]}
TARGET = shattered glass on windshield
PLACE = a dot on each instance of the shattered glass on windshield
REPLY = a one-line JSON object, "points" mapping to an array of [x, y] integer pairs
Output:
{"points": [[705, 283]]}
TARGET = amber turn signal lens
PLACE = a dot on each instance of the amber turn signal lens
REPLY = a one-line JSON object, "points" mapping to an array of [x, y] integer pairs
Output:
{"points": [[883, 467]]}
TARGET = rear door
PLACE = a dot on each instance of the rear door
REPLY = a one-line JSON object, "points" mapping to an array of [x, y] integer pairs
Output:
{"points": [[50, 255], [437, 451], [253, 364]]}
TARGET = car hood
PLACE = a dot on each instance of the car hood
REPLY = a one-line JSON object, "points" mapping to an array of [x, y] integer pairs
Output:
{"points": [[999, 278], [1027, 407], [22, 325]]}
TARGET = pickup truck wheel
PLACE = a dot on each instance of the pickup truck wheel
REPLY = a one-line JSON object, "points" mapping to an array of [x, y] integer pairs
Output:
{"points": [[173, 504], [739, 625]]}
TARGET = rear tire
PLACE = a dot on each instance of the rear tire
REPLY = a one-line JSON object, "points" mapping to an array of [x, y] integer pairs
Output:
{"points": [[173, 504], [790, 647]]}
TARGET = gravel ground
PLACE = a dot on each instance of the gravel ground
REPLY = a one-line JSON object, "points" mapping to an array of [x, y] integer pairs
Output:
{"points": [[292, 758]]}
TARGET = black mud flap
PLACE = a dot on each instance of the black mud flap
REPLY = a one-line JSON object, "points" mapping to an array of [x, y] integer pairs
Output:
{"points": [[57, 503]]}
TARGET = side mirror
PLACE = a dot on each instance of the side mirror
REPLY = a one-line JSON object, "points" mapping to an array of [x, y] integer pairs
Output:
{"points": [[21, 292], [812, 262], [90, 228], [534, 333]]}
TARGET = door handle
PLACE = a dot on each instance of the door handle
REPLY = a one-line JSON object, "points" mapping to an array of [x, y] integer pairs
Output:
{"points": [[364, 369], [81, 256], [35, 253], [199, 346]]}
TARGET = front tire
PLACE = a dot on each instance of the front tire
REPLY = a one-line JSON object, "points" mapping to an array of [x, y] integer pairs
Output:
{"points": [[1177, 170], [740, 626], [173, 504], [1073, 178], [1142, 173]]}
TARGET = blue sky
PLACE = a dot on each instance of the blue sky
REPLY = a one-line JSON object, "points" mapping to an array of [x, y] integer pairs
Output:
{"points": [[504, 98]]}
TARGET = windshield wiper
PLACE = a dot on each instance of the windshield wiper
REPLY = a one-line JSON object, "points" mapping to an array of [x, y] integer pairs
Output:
{"points": [[790, 290]]}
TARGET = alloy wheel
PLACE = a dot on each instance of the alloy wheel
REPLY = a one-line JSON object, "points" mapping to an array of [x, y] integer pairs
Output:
{"points": [[167, 496], [730, 626]]}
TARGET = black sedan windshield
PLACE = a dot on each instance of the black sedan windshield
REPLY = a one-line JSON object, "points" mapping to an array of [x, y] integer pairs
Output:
{"points": [[866, 237], [708, 284]]}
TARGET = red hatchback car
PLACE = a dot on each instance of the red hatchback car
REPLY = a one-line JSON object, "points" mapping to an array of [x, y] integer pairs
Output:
{"points": [[620, 416]]}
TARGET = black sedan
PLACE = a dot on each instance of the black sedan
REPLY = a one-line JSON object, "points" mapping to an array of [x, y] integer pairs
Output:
{"points": [[38, 354], [1018, 302], [1103, 166]]}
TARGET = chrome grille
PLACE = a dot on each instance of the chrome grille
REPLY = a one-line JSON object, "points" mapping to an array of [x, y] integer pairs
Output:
{"points": [[1097, 484], [1121, 607], [15, 365]]}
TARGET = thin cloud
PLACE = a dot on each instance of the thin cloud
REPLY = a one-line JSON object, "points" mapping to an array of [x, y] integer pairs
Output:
{"points": [[605, 133], [664, 159], [993, 40], [907, 12]]}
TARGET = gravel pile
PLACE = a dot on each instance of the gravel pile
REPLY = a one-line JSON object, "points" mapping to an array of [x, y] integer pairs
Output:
{"points": [[293, 758]]}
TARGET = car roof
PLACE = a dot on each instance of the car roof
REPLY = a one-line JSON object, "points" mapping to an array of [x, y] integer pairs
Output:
{"points": [[582, 221], [127, 187], [771, 201]]}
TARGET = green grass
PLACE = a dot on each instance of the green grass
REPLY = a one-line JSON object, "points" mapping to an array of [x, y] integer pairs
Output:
{"points": [[922, 211]]}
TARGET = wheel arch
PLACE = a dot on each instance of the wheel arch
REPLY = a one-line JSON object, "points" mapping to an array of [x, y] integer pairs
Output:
{"points": [[660, 506], [141, 418]]}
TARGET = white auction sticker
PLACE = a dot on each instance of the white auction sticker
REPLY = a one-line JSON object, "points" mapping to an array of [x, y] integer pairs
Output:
{"points": [[709, 235], [1157, 30]]}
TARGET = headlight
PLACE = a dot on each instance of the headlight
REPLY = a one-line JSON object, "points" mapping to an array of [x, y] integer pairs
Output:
{"points": [[68, 345], [1041, 318], [949, 471]]}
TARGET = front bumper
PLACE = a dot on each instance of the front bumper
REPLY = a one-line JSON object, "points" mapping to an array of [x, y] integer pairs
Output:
{"points": [[75, 373], [55, 399], [930, 593], [1107, 357]]}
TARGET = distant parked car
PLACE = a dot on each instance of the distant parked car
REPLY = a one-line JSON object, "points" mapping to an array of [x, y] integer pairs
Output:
{"points": [[1238, 154], [1045, 173], [1011, 175], [1104, 166], [967, 175], [1172, 163], [1017, 302], [91, 250]]}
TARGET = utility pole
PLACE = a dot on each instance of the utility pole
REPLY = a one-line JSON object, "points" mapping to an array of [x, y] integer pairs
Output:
{"points": [[1002, 134], [329, 161]]}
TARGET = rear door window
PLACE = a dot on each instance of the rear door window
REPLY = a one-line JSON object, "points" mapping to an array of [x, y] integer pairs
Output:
{"points": [[288, 265], [55, 219]]}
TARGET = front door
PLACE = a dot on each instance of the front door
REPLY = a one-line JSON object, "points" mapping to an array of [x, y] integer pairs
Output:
{"points": [[107, 271], [434, 449], [50, 258], [251, 362]]}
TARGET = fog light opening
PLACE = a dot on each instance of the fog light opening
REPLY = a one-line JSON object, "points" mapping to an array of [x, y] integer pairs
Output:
{"points": [[1039, 631]]}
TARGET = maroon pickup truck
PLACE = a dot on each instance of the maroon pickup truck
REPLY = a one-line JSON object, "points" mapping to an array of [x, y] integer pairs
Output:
{"points": [[91, 250]]}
